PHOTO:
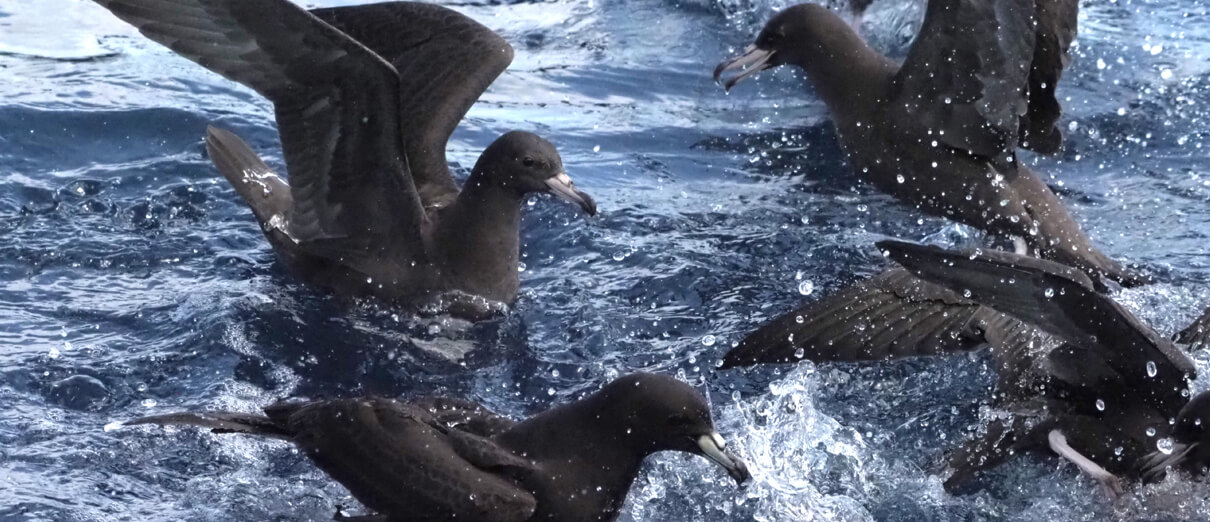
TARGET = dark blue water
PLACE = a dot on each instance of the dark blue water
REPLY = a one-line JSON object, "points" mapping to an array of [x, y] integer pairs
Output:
{"points": [[133, 281]]}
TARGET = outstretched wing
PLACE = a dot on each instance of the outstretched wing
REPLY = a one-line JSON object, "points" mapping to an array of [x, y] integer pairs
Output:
{"points": [[890, 315], [965, 76], [388, 456], [1062, 301], [445, 62], [336, 104], [1055, 30]]}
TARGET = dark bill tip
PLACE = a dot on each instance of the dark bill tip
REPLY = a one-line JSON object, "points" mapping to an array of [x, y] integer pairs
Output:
{"points": [[750, 62], [562, 187], [715, 448]]}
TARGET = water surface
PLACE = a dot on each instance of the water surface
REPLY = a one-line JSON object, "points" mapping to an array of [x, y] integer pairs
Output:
{"points": [[133, 281]]}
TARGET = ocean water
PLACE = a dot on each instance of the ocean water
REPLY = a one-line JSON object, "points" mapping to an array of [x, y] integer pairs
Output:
{"points": [[133, 281]]}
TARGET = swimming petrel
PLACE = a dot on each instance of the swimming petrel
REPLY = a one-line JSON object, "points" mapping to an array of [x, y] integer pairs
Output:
{"points": [[941, 131], [366, 98], [450, 459]]}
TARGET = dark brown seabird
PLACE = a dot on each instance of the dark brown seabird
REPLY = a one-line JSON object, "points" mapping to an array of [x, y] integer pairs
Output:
{"points": [[365, 99], [1114, 399], [449, 459], [941, 131], [1103, 400]]}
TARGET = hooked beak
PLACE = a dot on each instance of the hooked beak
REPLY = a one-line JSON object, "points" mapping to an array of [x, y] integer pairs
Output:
{"points": [[752, 61], [562, 187], [715, 448]]}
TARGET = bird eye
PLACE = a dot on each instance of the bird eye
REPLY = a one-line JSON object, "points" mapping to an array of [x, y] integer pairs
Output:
{"points": [[527, 161]]}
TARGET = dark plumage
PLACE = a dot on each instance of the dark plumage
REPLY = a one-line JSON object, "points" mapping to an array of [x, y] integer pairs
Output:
{"points": [[1103, 400], [442, 459], [365, 99], [890, 315], [940, 132]]}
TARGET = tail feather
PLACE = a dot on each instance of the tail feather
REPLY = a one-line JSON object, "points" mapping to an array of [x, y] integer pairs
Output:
{"points": [[266, 192], [220, 422]]}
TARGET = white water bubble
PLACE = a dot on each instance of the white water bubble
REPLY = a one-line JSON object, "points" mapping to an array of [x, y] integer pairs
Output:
{"points": [[520, 267], [806, 287], [900, 178], [1151, 369], [1100, 405], [148, 403], [1164, 445], [1151, 432], [1166, 74], [709, 340], [1049, 293]]}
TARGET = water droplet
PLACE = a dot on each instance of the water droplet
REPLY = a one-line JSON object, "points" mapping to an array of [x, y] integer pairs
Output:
{"points": [[966, 293], [799, 319], [520, 267], [1101, 64], [1164, 445], [805, 219], [1100, 405], [596, 148], [799, 353], [1150, 432], [148, 403], [806, 287], [554, 373], [619, 255], [1121, 111], [1166, 74], [900, 178], [1049, 293], [1151, 368], [1073, 126], [709, 340], [54, 353], [550, 391]]}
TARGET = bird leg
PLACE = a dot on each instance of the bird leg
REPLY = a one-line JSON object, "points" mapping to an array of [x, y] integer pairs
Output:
{"points": [[1109, 481]]}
